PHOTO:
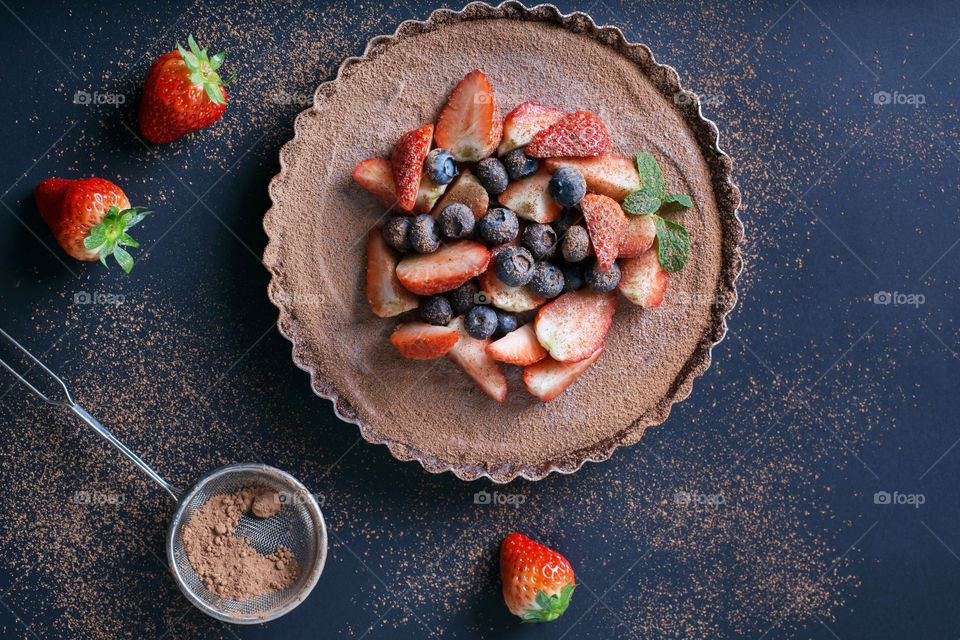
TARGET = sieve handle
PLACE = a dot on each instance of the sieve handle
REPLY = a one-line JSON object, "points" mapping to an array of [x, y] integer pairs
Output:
{"points": [[69, 403]]}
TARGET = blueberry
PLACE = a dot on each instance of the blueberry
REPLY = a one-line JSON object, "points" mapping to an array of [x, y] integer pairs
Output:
{"points": [[514, 266], [424, 237], [481, 322], [576, 244], [566, 219], [456, 220], [397, 233], [499, 225], [602, 281], [440, 166], [572, 276], [541, 239], [518, 164], [464, 297], [492, 176], [506, 322], [547, 281], [567, 186], [436, 310]]}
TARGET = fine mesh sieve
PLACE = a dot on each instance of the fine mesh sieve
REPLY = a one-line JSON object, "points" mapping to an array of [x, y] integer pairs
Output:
{"points": [[298, 526]]}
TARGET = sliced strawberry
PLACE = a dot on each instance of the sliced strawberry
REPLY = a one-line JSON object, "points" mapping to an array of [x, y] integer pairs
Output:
{"points": [[518, 347], [524, 122], [376, 176], [573, 326], [467, 190], [427, 195], [575, 135], [643, 280], [386, 295], [548, 378], [469, 126], [422, 341], [530, 197], [445, 269], [639, 235], [471, 355], [607, 224], [607, 175], [407, 162], [503, 296]]}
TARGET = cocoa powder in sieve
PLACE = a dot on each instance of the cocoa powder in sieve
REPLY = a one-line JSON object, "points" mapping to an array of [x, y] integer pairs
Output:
{"points": [[227, 564]]}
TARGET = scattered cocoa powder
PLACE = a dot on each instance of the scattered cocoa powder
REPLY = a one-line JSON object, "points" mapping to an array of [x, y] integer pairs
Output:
{"points": [[227, 564]]}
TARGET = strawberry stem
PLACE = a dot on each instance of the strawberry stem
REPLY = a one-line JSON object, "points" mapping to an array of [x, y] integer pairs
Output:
{"points": [[550, 607], [110, 236], [203, 69]]}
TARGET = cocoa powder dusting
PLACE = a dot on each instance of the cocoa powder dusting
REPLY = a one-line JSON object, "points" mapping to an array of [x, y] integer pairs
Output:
{"points": [[227, 564]]}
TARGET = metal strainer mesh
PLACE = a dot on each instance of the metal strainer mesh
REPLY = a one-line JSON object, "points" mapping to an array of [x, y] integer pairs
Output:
{"points": [[299, 526]]}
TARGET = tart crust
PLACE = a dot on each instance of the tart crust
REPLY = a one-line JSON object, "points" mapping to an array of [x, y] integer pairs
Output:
{"points": [[317, 225]]}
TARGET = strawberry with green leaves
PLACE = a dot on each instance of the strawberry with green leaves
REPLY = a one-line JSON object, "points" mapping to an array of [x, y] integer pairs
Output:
{"points": [[537, 581], [183, 93], [90, 218]]}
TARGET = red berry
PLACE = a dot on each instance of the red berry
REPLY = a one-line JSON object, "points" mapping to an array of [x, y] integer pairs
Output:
{"points": [[607, 224], [422, 341], [573, 326], [548, 378], [577, 135], [537, 581], [470, 125], [407, 163]]}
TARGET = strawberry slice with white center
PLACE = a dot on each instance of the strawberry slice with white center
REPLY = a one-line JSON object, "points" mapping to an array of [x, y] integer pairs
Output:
{"points": [[376, 176], [518, 347], [606, 224], [422, 341], [407, 162], [471, 355], [470, 124], [573, 326], [503, 296], [387, 297], [427, 195], [607, 175], [576, 135], [445, 269], [530, 197], [643, 280], [466, 189], [524, 122], [548, 378], [639, 235]]}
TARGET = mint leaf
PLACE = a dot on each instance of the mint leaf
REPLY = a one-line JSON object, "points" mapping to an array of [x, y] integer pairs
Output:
{"points": [[680, 198], [642, 202], [650, 175], [673, 245]]}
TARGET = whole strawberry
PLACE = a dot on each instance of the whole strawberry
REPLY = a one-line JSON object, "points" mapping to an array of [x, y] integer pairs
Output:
{"points": [[537, 581], [182, 93], [89, 217]]}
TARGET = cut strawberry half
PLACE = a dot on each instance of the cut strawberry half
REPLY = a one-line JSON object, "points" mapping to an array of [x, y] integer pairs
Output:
{"points": [[518, 347], [387, 297], [407, 163], [445, 269], [422, 341], [503, 296], [607, 224], [376, 176], [576, 135], [530, 197], [469, 127], [467, 190], [471, 355], [524, 122], [427, 195], [643, 280], [574, 325], [548, 378], [639, 235], [607, 175]]}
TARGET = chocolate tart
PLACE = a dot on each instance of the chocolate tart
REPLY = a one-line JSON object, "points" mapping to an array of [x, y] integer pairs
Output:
{"points": [[431, 411]]}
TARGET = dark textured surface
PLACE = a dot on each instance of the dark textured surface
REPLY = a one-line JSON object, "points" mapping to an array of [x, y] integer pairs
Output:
{"points": [[817, 400]]}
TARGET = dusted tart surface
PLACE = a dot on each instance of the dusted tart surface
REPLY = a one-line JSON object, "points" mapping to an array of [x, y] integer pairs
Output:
{"points": [[431, 411]]}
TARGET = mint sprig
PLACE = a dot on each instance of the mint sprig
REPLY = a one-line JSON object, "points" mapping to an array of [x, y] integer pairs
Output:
{"points": [[673, 240]]}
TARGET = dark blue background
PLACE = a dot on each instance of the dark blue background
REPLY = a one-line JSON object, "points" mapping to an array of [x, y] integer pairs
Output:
{"points": [[817, 399]]}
